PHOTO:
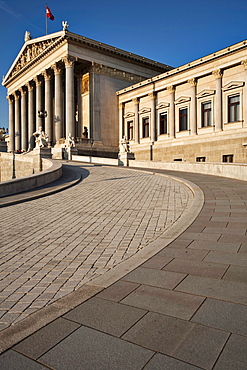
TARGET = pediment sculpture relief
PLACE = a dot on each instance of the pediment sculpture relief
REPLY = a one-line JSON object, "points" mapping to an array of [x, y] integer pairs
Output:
{"points": [[31, 52]]}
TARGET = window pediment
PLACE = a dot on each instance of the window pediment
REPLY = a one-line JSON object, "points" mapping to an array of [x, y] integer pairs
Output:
{"points": [[129, 115], [182, 99], [162, 105], [204, 93], [144, 110], [232, 85]]}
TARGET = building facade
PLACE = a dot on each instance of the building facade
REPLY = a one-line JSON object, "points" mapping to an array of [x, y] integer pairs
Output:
{"points": [[67, 84], [197, 112]]}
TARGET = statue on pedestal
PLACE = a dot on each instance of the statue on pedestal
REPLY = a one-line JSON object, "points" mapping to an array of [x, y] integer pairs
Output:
{"points": [[70, 141], [124, 145], [41, 138]]}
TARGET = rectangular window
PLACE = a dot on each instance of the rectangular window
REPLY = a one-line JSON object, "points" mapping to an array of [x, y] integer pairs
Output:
{"points": [[206, 114], [145, 127], [234, 108], [201, 159], [227, 158], [163, 123], [183, 119], [130, 131], [177, 160]]}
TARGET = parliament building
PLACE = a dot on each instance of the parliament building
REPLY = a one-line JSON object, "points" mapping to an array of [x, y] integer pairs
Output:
{"points": [[99, 94]]}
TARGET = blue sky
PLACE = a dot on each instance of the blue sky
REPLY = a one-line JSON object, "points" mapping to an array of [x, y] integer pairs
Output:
{"points": [[171, 32]]}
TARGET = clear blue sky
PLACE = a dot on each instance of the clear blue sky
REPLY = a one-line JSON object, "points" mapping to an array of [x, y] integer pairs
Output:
{"points": [[171, 32]]}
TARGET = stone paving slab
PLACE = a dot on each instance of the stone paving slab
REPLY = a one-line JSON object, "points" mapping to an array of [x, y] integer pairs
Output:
{"points": [[81, 346], [223, 315]]}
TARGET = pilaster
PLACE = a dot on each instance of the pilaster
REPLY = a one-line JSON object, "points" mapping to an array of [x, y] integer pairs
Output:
{"points": [[171, 116], [218, 99], [152, 97], [244, 64], [193, 115], [136, 121]]}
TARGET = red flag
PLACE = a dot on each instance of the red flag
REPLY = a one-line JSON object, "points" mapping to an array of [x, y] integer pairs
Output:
{"points": [[49, 14]]}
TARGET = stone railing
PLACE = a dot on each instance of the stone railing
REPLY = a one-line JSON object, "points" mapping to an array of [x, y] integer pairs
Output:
{"points": [[232, 170], [25, 172]]}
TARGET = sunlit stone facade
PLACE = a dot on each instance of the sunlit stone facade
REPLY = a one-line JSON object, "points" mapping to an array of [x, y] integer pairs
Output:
{"points": [[66, 83], [197, 112]]}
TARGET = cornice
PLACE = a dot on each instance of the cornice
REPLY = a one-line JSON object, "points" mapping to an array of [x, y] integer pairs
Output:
{"points": [[189, 66]]}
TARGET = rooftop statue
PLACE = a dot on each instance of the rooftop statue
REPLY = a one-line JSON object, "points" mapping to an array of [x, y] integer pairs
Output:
{"points": [[65, 25]]}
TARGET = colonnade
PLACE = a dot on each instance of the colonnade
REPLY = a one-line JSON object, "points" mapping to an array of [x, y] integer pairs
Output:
{"points": [[36, 104]]}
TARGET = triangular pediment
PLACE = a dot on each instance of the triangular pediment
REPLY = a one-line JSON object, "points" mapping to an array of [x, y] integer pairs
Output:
{"points": [[233, 85], [182, 99], [162, 105], [204, 93], [31, 51], [129, 115], [144, 110]]}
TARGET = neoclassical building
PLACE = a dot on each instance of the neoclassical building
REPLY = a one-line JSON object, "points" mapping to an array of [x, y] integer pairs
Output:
{"points": [[197, 112], [67, 84]]}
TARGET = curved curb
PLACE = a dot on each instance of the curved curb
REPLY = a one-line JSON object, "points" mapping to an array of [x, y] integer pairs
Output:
{"points": [[51, 188], [35, 321]]}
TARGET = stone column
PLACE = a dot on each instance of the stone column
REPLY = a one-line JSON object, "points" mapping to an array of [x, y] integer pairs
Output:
{"points": [[58, 129], [39, 120], [69, 95], [121, 121], [31, 114], [17, 130], [78, 119], [11, 146], [171, 116], [24, 128], [218, 99], [136, 121], [193, 116], [48, 106], [244, 63]]}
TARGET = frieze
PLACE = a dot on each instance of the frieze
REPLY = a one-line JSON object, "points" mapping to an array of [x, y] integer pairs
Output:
{"points": [[113, 72]]}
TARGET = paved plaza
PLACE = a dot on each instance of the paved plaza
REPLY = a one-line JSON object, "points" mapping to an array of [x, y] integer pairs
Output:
{"points": [[127, 270]]}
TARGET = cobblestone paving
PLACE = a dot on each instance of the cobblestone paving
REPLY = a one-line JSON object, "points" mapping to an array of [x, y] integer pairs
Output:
{"points": [[53, 245]]}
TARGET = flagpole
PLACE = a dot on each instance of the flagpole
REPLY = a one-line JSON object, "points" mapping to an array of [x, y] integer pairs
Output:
{"points": [[46, 21]]}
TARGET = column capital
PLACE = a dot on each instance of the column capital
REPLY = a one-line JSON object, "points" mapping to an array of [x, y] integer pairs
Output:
{"points": [[171, 88], [192, 81], [38, 80], [17, 94], [217, 73], [152, 95], [135, 101], [23, 90], [10, 98], [47, 74], [57, 68], [244, 63], [30, 85], [69, 61]]}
